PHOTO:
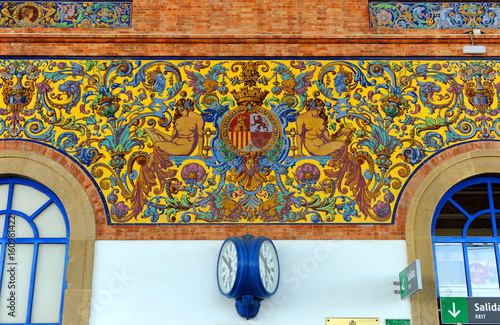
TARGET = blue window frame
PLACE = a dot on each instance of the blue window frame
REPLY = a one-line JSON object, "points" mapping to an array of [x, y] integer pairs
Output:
{"points": [[34, 253], [465, 239]]}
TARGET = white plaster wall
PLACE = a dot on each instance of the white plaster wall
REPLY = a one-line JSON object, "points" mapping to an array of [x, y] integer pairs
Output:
{"points": [[174, 282]]}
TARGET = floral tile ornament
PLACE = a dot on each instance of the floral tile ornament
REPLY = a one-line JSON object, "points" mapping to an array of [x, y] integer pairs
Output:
{"points": [[282, 141], [434, 15], [44, 14]]}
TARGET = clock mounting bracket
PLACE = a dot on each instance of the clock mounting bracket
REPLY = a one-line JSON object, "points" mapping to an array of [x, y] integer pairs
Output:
{"points": [[248, 306]]}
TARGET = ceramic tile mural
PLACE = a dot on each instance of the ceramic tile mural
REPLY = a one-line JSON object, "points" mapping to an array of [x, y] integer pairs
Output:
{"points": [[197, 141], [65, 14], [435, 15]]}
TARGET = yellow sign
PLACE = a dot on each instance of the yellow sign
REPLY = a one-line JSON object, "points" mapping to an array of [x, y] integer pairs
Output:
{"points": [[352, 321]]}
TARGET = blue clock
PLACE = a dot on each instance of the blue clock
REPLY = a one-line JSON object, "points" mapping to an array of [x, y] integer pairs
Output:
{"points": [[232, 267], [264, 267], [248, 270]]}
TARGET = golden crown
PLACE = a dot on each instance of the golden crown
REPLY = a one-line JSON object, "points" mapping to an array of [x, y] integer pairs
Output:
{"points": [[246, 96]]}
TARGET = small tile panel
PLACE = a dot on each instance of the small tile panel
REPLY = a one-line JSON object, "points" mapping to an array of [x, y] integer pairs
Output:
{"points": [[45, 14], [434, 15]]}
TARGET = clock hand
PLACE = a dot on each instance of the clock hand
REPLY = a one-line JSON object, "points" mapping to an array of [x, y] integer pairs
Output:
{"points": [[267, 269], [265, 262], [225, 260], [263, 259], [228, 264]]}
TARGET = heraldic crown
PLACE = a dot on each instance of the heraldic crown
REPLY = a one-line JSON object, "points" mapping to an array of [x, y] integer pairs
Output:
{"points": [[249, 96]]}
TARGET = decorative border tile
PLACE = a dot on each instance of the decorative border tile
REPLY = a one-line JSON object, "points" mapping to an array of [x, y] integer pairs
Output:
{"points": [[63, 14], [434, 15]]}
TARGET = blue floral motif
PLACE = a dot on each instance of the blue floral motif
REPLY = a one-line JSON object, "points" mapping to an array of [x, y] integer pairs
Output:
{"points": [[380, 141]]}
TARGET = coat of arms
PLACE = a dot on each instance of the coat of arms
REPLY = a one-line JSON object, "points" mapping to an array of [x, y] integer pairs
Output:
{"points": [[250, 127]]}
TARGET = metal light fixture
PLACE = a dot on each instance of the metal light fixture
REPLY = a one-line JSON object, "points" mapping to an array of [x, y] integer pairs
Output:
{"points": [[474, 49]]}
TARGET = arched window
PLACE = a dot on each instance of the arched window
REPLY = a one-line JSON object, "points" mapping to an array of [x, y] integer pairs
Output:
{"points": [[465, 239], [34, 253]]}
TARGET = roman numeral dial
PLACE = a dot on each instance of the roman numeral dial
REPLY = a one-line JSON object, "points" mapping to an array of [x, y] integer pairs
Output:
{"points": [[268, 266], [227, 266]]}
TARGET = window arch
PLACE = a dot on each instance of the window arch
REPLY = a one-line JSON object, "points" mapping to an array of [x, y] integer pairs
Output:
{"points": [[465, 239], [34, 230]]}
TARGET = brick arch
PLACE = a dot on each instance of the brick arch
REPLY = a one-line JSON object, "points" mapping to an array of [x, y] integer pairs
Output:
{"points": [[419, 201], [83, 205]]}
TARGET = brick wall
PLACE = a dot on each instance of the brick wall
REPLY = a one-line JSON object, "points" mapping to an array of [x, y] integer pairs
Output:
{"points": [[220, 232], [243, 28]]}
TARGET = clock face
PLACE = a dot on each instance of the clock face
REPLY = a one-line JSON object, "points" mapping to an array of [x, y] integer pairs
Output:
{"points": [[268, 266], [228, 263]]}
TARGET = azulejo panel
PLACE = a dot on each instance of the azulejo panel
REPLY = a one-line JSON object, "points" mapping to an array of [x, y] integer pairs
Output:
{"points": [[200, 141], [435, 15], [65, 14]]}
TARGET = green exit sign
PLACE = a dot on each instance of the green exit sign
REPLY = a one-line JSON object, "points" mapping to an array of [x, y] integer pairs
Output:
{"points": [[397, 322], [470, 310], [410, 280]]}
